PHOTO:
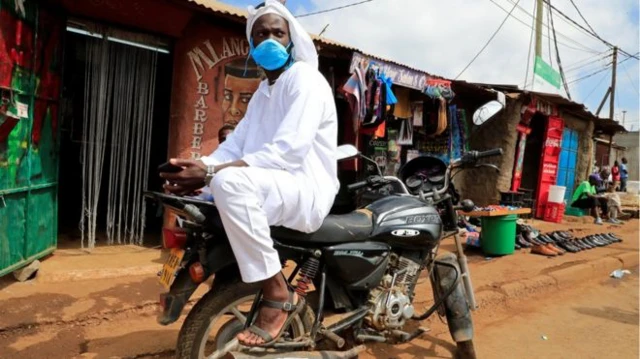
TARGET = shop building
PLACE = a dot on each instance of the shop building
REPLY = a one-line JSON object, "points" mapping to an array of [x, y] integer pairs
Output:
{"points": [[547, 140], [96, 94]]}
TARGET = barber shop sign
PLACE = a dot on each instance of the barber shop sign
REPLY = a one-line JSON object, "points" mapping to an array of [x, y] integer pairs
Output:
{"points": [[213, 84]]}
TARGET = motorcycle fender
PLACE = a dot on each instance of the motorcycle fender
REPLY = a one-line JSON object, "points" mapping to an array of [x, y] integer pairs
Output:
{"points": [[182, 288], [457, 308]]}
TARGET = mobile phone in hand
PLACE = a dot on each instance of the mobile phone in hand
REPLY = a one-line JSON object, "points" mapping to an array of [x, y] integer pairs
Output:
{"points": [[167, 167]]}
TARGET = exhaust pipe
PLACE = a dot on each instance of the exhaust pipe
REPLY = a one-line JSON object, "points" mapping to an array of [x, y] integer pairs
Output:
{"points": [[351, 353]]}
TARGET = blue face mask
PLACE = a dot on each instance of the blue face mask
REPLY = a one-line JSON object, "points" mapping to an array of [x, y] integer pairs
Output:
{"points": [[270, 54]]}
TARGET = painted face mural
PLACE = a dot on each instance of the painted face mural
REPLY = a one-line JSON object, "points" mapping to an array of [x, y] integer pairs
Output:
{"points": [[213, 83], [239, 86]]}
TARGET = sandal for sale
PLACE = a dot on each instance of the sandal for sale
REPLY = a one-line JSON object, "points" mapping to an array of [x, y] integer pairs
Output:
{"points": [[289, 307]]}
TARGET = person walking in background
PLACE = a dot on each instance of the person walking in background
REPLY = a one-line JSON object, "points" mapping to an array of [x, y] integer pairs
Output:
{"points": [[615, 175], [624, 175]]}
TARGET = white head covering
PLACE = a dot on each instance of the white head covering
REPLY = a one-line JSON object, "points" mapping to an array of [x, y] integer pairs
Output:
{"points": [[303, 47]]}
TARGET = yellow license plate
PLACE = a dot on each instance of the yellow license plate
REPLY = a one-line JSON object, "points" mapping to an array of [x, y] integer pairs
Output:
{"points": [[171, 266]]}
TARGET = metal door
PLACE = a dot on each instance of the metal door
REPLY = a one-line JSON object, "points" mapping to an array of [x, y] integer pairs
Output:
{"points": [[549, 162], [568, 162], [30, 75]]}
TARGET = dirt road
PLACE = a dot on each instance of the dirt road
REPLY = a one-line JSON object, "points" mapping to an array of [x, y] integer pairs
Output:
{"points": [[597, 320], [115, 317]]}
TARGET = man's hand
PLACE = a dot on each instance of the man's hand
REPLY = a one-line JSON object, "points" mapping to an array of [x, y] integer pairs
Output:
{"points": [[188, 180]]}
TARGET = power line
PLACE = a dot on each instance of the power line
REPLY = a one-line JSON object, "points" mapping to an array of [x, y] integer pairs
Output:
{"points": [[592, 58], [564, 79], [586, 49], [633, 84], [590, 75], [333, 9], [594, 88], [587, 31], [581, 66], [599, 71], [583, 19], [489, 41]]}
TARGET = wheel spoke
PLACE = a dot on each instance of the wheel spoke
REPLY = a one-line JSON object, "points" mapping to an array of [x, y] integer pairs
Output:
{"points": [[238, 314]]}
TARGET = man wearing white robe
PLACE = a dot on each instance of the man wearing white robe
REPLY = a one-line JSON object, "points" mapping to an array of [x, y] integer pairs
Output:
{"points": [[278, 167]]}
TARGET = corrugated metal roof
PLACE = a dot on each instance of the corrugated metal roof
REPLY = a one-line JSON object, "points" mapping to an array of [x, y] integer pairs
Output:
{"points": [[241, 15], [219, 7], [578, 109]]}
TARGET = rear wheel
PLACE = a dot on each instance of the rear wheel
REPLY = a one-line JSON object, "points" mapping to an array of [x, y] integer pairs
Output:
{"points": [[219, 316], [456, 307]]}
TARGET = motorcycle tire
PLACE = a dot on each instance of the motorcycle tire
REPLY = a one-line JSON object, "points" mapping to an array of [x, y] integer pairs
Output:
{"points": [[457, 309], [195, 328]]}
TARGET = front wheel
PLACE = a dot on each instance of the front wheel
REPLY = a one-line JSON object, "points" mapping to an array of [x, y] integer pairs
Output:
{"points": [[219, 316], [456, 306]]}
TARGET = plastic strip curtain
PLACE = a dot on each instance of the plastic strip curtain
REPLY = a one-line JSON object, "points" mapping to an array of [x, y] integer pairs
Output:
{"points": [[119, 94]]}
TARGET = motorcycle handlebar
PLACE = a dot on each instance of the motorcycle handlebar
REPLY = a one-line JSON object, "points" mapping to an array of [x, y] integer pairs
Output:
{"points": [[490, 153], [356, 186]]}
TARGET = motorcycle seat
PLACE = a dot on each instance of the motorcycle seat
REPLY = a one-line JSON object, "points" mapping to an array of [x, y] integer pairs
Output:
{"points": [[336, 228]]}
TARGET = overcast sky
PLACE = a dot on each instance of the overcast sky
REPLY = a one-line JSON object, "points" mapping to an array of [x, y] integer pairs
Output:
{"points": [[441, 37]]}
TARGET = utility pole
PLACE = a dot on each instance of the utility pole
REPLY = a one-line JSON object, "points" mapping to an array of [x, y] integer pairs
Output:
{"points": [[539, 20], [613, 83], [612, 96]]}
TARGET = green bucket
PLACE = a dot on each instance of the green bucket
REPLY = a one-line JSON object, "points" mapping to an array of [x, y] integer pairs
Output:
{"points": [[499, 235]]}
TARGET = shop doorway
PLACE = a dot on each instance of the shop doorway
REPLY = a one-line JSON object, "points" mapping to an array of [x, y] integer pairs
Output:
{"points": [[533, 154], [114, 133]]}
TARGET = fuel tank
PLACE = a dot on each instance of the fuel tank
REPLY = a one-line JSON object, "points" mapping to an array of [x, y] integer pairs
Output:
{"points": [[405, 222]]}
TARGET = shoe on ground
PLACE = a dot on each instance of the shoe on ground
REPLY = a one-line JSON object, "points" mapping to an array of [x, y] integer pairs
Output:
{"points": [[556, 249], [522, 243], [578, 244], [613, 237], [613, 221], [544, 251], [584, 244], [598, 221]]}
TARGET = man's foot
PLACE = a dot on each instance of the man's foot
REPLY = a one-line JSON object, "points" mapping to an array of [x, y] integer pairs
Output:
{"points": [[279, 304], [598, 221], [613, 220]]}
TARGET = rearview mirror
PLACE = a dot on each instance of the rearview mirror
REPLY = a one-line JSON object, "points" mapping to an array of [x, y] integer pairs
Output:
{"points": [[486, 112], [345, 152]]}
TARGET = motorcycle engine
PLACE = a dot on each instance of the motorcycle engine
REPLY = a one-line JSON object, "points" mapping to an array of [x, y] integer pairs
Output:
{"points": [[391, 302]]}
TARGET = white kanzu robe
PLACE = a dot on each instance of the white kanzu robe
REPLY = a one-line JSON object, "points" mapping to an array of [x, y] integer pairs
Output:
{"points": [[288, 138]]}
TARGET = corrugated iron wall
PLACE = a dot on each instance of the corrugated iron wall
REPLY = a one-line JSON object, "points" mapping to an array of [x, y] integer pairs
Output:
{"points": [[30, 77]]}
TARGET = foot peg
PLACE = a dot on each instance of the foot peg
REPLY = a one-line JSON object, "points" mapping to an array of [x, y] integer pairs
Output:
{"points": [[338, 340]]}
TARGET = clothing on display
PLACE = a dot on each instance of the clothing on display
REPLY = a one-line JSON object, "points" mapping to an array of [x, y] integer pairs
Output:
{"points": [[417, 112], [402, 108], [406, 132]]}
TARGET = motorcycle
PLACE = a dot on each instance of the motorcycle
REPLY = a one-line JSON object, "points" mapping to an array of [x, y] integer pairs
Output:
{"points": [[359, 271]]}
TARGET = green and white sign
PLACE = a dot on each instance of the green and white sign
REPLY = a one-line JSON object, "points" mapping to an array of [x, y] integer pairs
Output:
{"points": [[546, 78]]}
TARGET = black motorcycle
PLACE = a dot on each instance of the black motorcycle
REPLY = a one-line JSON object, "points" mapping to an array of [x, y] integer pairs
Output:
{"points": [[363, 266]]}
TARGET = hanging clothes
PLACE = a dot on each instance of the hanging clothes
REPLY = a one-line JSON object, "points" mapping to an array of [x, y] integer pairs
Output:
{"points": [[406, 132], [417, 110], [402, 107], [355, 92]]}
